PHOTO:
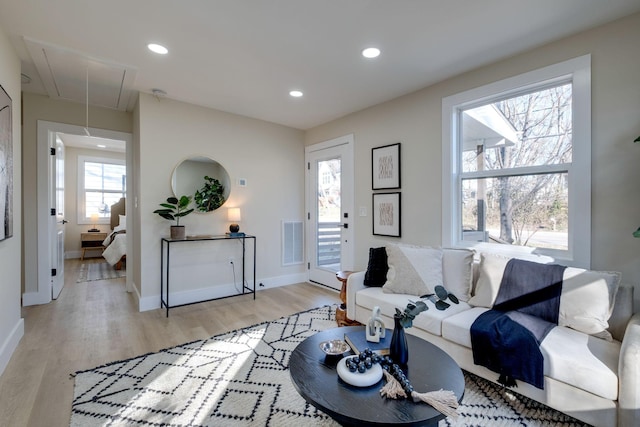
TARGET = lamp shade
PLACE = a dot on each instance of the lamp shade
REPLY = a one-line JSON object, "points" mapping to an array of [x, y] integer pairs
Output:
{"points": [[233, 215], [95, 217]]}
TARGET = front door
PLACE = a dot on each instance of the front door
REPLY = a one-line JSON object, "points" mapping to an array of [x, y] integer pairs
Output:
{"points": [[329, 209]]}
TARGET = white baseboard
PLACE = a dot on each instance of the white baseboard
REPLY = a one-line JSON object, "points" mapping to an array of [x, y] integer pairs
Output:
{"points": [[10, 344], [187, 297]]}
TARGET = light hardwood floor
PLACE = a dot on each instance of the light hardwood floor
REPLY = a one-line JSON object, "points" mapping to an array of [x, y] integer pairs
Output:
{"points": [[94, 323]]}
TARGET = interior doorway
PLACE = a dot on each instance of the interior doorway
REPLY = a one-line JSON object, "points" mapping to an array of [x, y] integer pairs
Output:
{"points": [[47, 243]]}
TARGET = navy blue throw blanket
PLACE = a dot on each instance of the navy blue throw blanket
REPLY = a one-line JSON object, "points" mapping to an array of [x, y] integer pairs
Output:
{"points": [[507, 338]]}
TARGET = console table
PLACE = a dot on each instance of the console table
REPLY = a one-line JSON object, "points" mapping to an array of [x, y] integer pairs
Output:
{"points": [[165, 250]]}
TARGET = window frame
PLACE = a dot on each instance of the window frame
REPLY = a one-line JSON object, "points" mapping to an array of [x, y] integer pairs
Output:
{"points": [[81, 191], [578, 72]]}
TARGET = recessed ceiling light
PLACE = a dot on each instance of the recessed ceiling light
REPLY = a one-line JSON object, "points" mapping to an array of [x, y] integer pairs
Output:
{"points": [[153, 47], [296, 93], [101, 146], [371, 52]]}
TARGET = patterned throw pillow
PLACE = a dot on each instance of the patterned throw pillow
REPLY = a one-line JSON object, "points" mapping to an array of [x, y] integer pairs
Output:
{"points": [[413, 270]]}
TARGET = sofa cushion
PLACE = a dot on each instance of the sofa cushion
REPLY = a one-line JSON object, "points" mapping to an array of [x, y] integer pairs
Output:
{"points": [[570, 356], [413, 270], [582, 361], [457, 272], [587, 296], [430, 320], [376, 274], [457, 328]]}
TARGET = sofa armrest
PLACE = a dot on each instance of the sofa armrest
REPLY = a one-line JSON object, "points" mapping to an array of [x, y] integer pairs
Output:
{"points": [[355, 282], [629, 375]]}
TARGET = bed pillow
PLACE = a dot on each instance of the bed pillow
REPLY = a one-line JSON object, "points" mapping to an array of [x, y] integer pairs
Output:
{"points": [[376, 274], [413, 270], [122, 225]]}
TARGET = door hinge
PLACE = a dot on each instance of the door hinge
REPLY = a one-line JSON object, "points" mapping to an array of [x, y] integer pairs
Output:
{"points": [[54, 271], [53, 211], [308, 266], [308, 166], [52, 151], [308, 215]]}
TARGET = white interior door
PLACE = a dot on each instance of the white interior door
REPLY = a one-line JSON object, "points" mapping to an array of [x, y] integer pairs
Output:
{"points": [[57, 227], [329, 209]]}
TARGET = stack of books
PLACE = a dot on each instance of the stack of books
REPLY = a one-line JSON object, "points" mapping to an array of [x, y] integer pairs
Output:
{"points": [[357, 340]]}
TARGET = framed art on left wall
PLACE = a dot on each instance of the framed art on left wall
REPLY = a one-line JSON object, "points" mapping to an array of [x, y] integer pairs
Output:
{"points": [[6, 166]]}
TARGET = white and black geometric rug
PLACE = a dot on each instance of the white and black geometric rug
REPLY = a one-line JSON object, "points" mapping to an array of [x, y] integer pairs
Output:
{"points": [[241, 378]]}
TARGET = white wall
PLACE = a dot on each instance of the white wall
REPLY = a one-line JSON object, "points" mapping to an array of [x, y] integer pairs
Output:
{"points": [[270, 157], [415, 121], [11, 324]]}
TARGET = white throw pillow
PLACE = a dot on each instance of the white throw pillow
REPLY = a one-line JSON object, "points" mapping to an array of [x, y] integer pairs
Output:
{"points": [[457, 272], [490, 273], [587, 300], [413, 270]]}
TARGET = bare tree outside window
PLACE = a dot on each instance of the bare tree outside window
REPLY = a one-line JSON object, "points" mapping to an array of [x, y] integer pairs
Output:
{"points": [[515, 158]]}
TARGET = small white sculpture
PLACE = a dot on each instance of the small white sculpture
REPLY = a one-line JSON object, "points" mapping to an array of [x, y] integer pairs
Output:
{"points": [[375, 327]]}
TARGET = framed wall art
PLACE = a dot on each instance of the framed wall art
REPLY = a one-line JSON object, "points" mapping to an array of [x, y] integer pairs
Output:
{"points": [[6, 166], [385, 167], [386, 214]]}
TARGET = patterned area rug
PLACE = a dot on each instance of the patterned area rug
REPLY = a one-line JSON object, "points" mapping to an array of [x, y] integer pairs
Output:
{"points": [[98, 271], [240, 379]]}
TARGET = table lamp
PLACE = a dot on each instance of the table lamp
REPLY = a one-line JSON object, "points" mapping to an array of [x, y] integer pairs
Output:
{"points": [[94, 220], [234, 216]]}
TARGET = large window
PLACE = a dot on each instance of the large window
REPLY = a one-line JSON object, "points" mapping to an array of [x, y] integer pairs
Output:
{"points": [[101, 183], [517, 164]]}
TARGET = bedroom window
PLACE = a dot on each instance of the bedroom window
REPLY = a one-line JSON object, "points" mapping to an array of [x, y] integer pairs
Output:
{"points": [[516, 175], [101, 183]]}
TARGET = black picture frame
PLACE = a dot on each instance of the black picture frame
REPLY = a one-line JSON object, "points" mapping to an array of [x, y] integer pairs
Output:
{"points": [[387, 214], [385, 167], [6, 165]]}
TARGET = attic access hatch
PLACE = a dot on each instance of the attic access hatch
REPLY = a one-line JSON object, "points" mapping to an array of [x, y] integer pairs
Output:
{"points": [[64, 75]]}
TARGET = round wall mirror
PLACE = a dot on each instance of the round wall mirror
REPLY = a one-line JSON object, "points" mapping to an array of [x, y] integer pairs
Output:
{"points": [[204, 179]]}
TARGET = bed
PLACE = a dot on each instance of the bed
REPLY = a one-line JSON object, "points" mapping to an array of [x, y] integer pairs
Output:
{"points": [[116, 242]]}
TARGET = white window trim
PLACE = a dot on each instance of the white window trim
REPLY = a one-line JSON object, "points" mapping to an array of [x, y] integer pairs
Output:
{"points": [[578, 70], [82, 215]]}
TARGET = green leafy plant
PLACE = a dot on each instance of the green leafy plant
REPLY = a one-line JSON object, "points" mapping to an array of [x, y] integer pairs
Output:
{"points": [[174, 208], [211, 196], [416, 307]]}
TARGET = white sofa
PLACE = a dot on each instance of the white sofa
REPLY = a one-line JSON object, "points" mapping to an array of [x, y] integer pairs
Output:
{"points": [[592, 379]]}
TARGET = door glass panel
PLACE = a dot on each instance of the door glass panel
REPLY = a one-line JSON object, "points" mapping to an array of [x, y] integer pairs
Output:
{"points": [[328, 237]]}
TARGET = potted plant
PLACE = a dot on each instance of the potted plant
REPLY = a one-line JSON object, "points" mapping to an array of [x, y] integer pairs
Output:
{"points": [[211, 196], [174, 209]]}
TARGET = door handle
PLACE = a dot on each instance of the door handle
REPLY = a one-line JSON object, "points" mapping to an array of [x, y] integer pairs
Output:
{"points": [[64, 221]]}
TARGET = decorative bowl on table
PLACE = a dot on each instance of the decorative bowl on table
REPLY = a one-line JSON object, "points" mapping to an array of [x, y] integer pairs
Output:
{"points": [[367, 378], [334, 347]]}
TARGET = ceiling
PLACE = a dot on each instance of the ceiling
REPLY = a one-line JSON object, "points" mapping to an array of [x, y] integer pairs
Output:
{"points": [[244, 56]]}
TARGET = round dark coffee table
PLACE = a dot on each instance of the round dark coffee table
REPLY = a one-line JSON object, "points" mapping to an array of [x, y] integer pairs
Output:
{"points": [[429, 369]]}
